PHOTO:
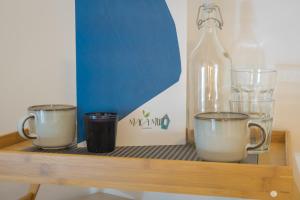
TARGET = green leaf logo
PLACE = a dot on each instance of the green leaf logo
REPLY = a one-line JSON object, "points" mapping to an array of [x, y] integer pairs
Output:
{"points": [[146, 114]]}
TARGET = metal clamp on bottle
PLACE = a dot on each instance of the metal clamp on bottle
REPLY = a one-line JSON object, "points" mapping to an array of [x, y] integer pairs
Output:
{"points": [[204, 14]]}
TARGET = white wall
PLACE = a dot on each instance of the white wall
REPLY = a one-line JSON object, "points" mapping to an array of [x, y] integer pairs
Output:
{"points": [[37, 56]]}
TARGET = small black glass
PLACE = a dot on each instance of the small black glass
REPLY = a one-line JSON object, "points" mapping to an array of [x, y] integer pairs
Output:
{"points": [[101, 130]]}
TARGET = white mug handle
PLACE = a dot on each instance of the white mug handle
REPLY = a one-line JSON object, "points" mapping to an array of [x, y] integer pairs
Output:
{"points": [[21, 128]]}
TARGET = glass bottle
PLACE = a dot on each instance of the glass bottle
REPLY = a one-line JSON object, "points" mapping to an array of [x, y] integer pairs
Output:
{"points": [[247, 48], [209, 68]]}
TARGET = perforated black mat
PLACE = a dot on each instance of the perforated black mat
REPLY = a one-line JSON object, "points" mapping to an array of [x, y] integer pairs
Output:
{"points": [[166, 152]]}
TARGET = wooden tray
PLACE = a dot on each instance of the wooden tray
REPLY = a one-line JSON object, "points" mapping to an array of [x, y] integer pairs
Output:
{"points": [[270, 178]]}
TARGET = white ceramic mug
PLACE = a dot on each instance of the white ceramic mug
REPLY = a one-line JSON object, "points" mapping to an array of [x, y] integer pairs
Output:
{"points": [[224, 136], [50, 126]]}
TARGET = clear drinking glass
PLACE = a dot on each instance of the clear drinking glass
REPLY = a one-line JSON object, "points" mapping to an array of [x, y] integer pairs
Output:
{"points": [[252, 83], [261, 112]]}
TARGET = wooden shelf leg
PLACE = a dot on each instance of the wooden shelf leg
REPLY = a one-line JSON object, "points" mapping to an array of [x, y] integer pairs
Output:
{"points": [[32, 192]]}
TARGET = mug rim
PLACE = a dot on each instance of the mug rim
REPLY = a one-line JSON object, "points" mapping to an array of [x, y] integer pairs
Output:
{"points": [[243, 116], [51, 107]]}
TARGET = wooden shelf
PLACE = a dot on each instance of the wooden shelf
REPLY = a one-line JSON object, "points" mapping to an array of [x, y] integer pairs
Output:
{"points": [[272, 175]]}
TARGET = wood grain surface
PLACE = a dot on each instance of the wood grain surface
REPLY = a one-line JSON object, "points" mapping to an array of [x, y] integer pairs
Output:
{"points": [[189, 177]]}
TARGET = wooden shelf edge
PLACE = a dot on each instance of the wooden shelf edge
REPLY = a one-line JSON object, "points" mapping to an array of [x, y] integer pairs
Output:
{"points": [[137, 174], [189, 177], [10, 139]]}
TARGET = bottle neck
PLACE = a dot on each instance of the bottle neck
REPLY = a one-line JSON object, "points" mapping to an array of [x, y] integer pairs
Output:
{"points": [[209, 41], [209, 28], [209, 19], [208, 34]]}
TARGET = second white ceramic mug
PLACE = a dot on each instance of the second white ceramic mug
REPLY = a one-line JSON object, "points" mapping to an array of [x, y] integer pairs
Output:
{"points": [[50, 126], [224, 136]]}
